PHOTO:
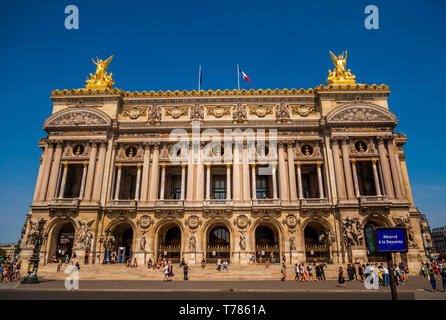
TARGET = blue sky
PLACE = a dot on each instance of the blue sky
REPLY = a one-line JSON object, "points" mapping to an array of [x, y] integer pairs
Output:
{"points": [[280, 44]]}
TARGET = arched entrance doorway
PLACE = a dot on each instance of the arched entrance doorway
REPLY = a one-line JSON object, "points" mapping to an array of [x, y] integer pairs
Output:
{"points": [[218, 244], [64, 240], [123, 242], [376, 256], [169, 243], [317, 244], [267, 243]]}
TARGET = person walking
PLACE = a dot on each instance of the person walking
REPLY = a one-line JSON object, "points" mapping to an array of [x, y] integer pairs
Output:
{"points": [[219, 264], [185, 271], [170, 268], [283, 272], [166, 272], [296, 271], [322, 267], [432, 279], [341, 279], [443, 276]]}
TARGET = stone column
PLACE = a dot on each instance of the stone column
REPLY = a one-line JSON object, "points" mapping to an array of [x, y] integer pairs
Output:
{"points": [[385, 168], [100, 173], [355, 178], [183, 181], [84, 177], [163, 181], [200, 178], [48, 156], [64, 180], [228, 181], [299, 181], [236, 174], [274, 165], [320, 182], [254, 186], [291, 173], [245, 167], [208, 181], [54, 173], [375, 176], [90, 175], [39, 175], [145, 173], [138, 181], [347, 169], [393, 167], [154, 176], [283, 188], [340, 184], [118, 181]]}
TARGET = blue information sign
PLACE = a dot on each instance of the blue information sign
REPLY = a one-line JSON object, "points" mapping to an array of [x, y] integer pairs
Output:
{"points": [[391, 240]]}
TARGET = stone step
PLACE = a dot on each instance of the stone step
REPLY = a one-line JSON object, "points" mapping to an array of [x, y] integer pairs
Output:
{"points": [[121, 272]]}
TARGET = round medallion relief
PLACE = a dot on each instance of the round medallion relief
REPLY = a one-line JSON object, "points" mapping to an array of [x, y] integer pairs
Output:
{"points": [[242, 222], [291, 221], [193, 222], [144, 222]]}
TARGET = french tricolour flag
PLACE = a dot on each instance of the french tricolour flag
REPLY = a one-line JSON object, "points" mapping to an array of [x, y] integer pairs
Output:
{"points": [[244, 76]]}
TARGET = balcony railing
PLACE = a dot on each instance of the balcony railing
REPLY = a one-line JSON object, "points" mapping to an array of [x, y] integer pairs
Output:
{"points": [[266, 202], [65, 202], [170, 203], [313, 201], [218, 202], [124, 203], [373, 199]]}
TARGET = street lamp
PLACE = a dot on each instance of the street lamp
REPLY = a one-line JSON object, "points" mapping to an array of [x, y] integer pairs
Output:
{"points": [[31, 277]]}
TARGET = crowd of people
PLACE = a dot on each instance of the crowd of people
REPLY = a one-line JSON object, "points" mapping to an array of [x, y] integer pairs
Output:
{"points": [[434, 271], [9, 270], [373, 270]]}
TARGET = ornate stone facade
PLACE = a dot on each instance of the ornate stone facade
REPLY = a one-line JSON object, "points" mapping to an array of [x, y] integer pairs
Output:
{"points": [[330, 164]]}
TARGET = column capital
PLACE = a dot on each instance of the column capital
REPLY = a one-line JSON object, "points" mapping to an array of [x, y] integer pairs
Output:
{"points": [[290, 144], [146, 145], [65, 164], [298, 164], [253, 165], [183, 166], [163, 166], [374, 161], [319, 164], [156, 146], [228, 166], [139, 166], [119, 166], [85, 164], [208, 165], [353, 161]]}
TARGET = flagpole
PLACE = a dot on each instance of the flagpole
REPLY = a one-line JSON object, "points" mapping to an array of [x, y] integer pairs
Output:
{"points": [[238, 78], [199, 78]]}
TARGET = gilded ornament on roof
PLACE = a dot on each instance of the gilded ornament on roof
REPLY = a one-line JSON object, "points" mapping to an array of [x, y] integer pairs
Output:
{"points": [[340, 75], [101, 79]]}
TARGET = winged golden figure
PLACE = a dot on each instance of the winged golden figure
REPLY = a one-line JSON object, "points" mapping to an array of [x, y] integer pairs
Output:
{"points": [[340, 75], [100, 79]]}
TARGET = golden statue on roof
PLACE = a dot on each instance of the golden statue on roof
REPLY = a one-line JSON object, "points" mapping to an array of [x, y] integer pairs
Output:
{"points": [[100, 80], [340, 75]]}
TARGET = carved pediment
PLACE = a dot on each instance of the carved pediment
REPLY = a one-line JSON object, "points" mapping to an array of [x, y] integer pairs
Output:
{"points": [[79, 117], [361, 113]]}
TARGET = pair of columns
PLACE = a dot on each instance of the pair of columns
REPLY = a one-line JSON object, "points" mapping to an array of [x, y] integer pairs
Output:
{"points": [[319, 178], [51, 172], [118, 181], [346, 174], [228, 181], [163, 181]]}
